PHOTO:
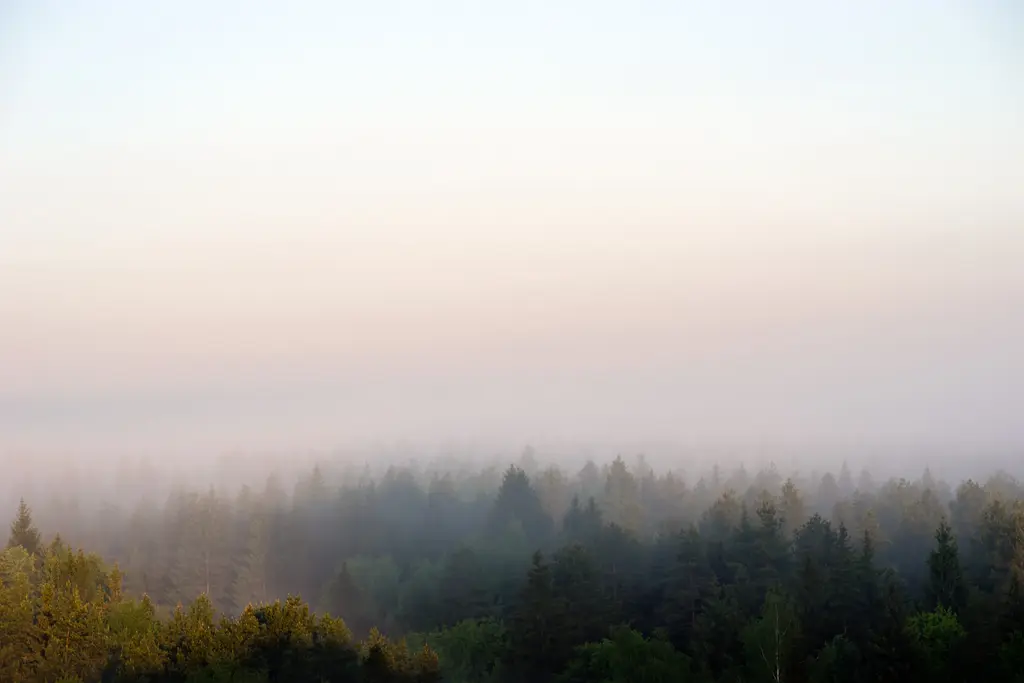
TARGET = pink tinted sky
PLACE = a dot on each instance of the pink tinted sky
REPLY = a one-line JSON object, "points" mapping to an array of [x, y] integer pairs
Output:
{"points": [[804, 224]]}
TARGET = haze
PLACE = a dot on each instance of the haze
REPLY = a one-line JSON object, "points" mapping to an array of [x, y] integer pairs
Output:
{"points": [[250, 226]]}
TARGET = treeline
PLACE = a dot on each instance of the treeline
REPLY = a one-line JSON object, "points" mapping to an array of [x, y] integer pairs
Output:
{"points": [[613, 573], [64, 619]]}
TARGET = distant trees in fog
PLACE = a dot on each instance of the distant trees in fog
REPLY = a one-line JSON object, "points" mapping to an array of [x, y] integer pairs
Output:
{"points": [[535, 573]]}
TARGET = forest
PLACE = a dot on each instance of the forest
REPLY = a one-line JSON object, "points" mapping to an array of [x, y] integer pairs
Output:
{"points": [[614, 573]]}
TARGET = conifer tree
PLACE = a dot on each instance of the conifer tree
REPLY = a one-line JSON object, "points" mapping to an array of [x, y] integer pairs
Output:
{"points": [[518, 502], [791, 508], [18, 628], [250, 576], [843, 574], [845, 481], [689, 583], [71, 634], [23, 531], [537, 624], [577, 583], [946, 585], [621, 497]]}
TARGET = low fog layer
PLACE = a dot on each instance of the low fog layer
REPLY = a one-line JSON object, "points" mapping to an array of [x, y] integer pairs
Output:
{"points": [[924, 348]]}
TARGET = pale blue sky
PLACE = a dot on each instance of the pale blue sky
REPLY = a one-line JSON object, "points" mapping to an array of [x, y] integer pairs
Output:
{"points": [[238, 221], [78, 72]]}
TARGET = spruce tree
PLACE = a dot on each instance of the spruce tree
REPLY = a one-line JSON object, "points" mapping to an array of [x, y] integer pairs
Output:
{"points": [[23, 531], [576, 581], [537, 625], [250, 576], [518, 501], [72, 634], [19, 632], [946, 585], [791, 508]]}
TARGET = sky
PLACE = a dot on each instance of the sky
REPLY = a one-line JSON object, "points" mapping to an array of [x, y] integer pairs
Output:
{"points": [[262, 224]]}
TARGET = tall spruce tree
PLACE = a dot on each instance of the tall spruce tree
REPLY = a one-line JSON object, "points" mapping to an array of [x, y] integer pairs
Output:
{"points": [[23, 531], [537, 626], [946, 585]]}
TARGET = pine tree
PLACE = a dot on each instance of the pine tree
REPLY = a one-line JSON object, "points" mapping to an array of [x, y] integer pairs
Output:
{"points": [[344, 598], [553, 492], [72, 634], [19, 637], [200, 562], [250, 578], [716, 642], [772, 547], [536, 627], [845, 481], [23, 531], [582, 524], [690, 582], [1017, 559], [865, 482], [134, 638], [621, 498], [518, 502], [791, 509], [867, 592], [828, 493], [996, 545], [890, 646], [721, 519], [577, 582], [946, 585], [843, 598]]}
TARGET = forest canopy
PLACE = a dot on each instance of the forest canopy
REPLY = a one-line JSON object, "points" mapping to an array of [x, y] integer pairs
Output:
{"points": [[611, 573]]}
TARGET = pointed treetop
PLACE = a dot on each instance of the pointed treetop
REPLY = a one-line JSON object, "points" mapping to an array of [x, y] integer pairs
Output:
{"points": [[23, 531]]}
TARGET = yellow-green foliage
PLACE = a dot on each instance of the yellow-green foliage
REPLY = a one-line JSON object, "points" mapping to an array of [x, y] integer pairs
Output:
{"points": [[63, 619]]}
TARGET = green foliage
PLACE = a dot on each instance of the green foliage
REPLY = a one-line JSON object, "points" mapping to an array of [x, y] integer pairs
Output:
{"points": [[18, 630], [419, 600], [249, 583], [518, 504], [536, 634], [621, 498], [70, 622], [936, 637], [70, 633], [1011, 656], [946, 585], [649, 578], [377, 580], [134, 636], [343, 595], [470, 651], [716, 643], [626, 656], [839, 661], [769, 640]]}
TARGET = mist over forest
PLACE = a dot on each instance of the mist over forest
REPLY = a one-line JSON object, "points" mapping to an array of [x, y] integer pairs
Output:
{"points": [[103, 479], [525, 342], [530, 568]]}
